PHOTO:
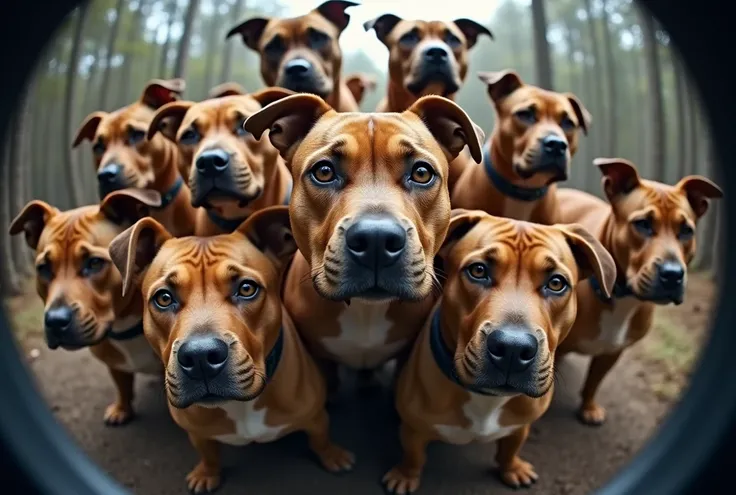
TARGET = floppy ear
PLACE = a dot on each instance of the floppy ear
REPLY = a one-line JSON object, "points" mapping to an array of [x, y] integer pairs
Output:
{"points": [[698, 190], [334, 11], [501, 84], [358, 84], [226, 89], [32, 220], [269, 230], [168, 118], [88, 129], [461, 222], [288, 120], [619, 176], [133, 250], [251, 31], [267, 96], [591, 257], [383, 25], [472, 30], [129, 205], [159, 92], [450, 126], [584, 117]]}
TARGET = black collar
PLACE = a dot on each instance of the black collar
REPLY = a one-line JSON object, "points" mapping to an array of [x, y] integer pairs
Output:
{"points": [[273, 358], [168, 197], [619, 291], [506, 187], [230, 224], [131, 333]]}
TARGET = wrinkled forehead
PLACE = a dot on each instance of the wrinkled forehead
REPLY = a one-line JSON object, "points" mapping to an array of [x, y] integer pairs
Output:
{"points": [[77, 232], [544, 101], [662, 201], [120, 121], [219, 112], [434, 29], [295, 28]]}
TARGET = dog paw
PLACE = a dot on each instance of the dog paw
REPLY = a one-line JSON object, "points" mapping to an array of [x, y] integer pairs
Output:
{"points": [[397, 482], [335, 459], [592, 415], [116, 415], [202, 480], [520, 474]]}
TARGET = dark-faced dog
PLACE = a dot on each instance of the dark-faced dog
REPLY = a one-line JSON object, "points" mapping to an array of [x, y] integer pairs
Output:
{"points": [[81, 289]]}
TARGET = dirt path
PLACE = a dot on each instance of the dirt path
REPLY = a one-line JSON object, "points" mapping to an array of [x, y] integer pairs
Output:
{"points": [[151, 455]]}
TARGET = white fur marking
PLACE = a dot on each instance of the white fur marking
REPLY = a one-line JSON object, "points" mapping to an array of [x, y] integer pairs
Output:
{"points": [[484, 413], [614, 328], [250, 424]]}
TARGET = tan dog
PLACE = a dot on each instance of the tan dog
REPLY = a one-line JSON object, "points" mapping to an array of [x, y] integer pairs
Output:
{"points": [[227, 89], [649, 228], [530, 148], [369, 210], [482, 368], [125, 158], [359, 84], [236, 370], [231, 173], [425, 57], [303, 53], [81, 289]]}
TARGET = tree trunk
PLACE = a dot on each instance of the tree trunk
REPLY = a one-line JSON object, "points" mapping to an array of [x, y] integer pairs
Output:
{"points": [[91, 80], [611, 145], [134, 33], [695, 126], [182, 55], [681, 119], [109, 53], [707, 237], [542, 57], [211, 49], [9, 283], [171, 17], [18, 163], [657, 142], [640, 126], [597, 107], [227, 56], [579, 178]]}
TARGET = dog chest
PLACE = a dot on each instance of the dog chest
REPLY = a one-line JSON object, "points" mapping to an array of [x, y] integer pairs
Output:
{"points": [[613, 330], [137, 353], [250, 424], [518, 210], [483, 414]]}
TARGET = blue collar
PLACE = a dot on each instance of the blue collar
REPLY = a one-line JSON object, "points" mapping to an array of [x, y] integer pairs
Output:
{"points": [[274, 357], [168, 197], [230, 224], [504, 186], [619, 290], [131, 333]]}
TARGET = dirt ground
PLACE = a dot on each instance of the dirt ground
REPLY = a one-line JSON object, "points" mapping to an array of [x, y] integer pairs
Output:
{"points": [[152, 455]]}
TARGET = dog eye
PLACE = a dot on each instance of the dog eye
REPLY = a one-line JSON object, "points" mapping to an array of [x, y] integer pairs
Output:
{"points": [[240, 128], [528, 116], [135, 136], [567, 124], [479, 272], [452, 40], [163, 299], [99, 148], [409, 39], [247, 289], [686, 232], [92, 265], [323, 172], [317, 39], [556, 284], [422, 173], [644, 226], [275, 47], [189, 137], [43, 270]]}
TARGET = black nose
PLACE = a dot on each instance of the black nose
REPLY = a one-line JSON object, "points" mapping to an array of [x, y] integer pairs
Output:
{"points": [[109, 173], [671, 275], [512, 350], [554, 145], [376, 241], [202, 357], [212, 163], [436, 55], [297, 67], [58, 320]]}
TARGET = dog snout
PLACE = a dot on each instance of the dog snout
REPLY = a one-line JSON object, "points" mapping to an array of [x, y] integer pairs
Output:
{"points": [[512, 350], [436, 55], [376, 241], [110, 178], [671, 275], [58, 320], [297, 67], [554, 146], [212, 163], [202, 357]]}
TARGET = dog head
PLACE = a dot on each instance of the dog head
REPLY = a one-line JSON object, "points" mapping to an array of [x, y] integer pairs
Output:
{"points": [[652, 234], [228, 167], [212, 305], [123, 156], [299, 53], [427, 57], [370, 203], [536, 130], [509, 298], [74, 276]]}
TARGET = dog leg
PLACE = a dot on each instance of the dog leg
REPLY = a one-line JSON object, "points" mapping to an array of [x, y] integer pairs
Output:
{"points": [[333, 457], [331, 372], [514, 471], [205, 477], [590, 412], [121, 411], [404, 478], [367, 382]]}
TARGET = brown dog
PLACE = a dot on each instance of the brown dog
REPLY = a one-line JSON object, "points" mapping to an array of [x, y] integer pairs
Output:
{"points": [[227, 89], [425, 57], [359, 84], [533, 141], [649, 228], [482, 368], [231, 173], [236, 370], [81, 288], [125, 158], [369, 210], [303, 53]]}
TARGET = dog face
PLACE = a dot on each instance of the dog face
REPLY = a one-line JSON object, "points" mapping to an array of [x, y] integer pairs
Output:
{"points": [[123, 156], [299, 53], [74, 275], [212, 304], [537, 129], [510, 294], [427, 57], [370, 203], [227, 165], [653, 235]]}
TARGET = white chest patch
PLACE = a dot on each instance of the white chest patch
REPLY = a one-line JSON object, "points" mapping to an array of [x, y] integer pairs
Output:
{"points": [[250, 424], [362, 340], [614, 328], [484, 413], [137, 352], [518, 210]]}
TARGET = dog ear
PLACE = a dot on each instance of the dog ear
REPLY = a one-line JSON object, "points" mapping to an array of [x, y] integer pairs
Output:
{"points": [[461, 222], [168, 118], [133, 250], [32, 220], [251, 31], [382, 25], [129, 205], [88, 129], [269, 230], [267, 96], [590, 255], [288, 120], [472, 30], [358, 84], [226, 89], [699, 190], [619, 176], [334, 11], [501, 84], [450, 126], [582, 113], [159, 92]]}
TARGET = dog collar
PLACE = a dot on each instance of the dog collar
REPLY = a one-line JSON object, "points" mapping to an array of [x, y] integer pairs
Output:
{"points": [[230, 224], [168, 197], [443, 356], [506, 187], [273, 358], [131, 333], [619, 290]]}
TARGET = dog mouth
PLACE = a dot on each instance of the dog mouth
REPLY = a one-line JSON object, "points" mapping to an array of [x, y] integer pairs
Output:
{"points": [[433, 75], [558, 171], [306, 85], [213, 191], [71, 340]]}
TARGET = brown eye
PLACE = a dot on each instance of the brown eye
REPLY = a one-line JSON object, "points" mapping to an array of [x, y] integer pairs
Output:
{"points": [[422, 173], [163, 299], [323, 172], [478, 271], [247, 289], [556, 284]]}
